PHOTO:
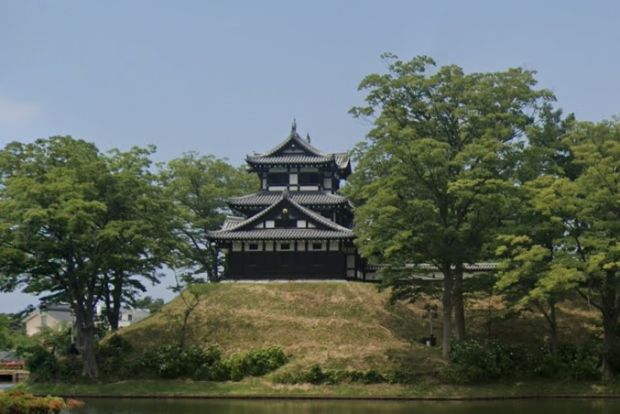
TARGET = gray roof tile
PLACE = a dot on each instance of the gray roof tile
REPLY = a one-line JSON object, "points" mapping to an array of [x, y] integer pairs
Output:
{"points": [[236, 229], [265, 198], [282, 234], [309, 154]]}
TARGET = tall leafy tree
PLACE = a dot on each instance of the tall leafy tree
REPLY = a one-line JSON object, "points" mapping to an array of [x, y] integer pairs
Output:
{"points": [[527, 246], [587, 252], [138, 229], [199, 186], [431, 182], [61, 233]]}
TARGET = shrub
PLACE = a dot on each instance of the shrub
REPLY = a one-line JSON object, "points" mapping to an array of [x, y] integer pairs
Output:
{"points": [[174, 362], [317, 375], [22, 403], [42, 364], [255, 363], [112, 357], [472, 361]]}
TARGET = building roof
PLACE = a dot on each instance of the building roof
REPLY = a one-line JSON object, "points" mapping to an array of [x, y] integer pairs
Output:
{"points": [[429, 271], [234, 228], [8, 356], [61, 312], [282, 234], [266, 198], [296, 150], [231, 221]]}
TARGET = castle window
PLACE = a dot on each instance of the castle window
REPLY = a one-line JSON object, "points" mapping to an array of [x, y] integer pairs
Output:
{"points": [[316, 246], [277, 179], [285, 246], [286, 223], [309, 179], [253, 246]]}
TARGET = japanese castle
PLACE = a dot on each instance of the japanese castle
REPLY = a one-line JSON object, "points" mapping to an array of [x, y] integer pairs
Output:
{"points": [[296, 226]]}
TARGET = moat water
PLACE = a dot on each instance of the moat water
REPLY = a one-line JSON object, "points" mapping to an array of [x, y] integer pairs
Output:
{"points": [[181, 406]]}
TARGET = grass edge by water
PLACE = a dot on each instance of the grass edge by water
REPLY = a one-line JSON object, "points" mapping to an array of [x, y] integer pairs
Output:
{"points": [[258, 389]]}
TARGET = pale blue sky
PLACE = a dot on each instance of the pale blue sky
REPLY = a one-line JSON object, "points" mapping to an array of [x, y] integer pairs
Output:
{"points": [[227, 77]]}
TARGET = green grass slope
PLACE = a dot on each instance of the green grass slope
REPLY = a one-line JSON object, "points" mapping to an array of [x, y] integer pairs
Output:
{"points": [[338, 325], [342, 325]]}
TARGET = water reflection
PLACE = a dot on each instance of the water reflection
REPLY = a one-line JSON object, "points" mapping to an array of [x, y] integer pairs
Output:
{"points": [[128, 406]]}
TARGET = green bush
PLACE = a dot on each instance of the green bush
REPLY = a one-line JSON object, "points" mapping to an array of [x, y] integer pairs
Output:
{"points": [[15, 402], [255, 363], [472, 361], [172, 362], [317, 375], [112, 357], [42, 364]]}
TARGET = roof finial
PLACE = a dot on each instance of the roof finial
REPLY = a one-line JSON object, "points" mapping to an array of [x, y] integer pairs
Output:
{"points": [[294, 126], [285, 193], [308, 138]]}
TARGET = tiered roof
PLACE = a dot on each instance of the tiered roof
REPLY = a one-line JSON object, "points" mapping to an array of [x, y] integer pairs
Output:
{"points": [[305, 198], [236, 228], [296, 150]]}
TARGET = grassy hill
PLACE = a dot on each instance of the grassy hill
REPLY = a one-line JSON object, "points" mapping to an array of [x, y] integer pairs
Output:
{"points": [[337, 325]]}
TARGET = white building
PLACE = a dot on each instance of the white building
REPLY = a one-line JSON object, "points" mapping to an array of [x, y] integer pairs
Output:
{"points": [[54, 317], [60, 316]]}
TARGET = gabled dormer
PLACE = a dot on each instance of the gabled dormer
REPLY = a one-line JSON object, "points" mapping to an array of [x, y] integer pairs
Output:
{"points": [[285, 213], [296, 165]]}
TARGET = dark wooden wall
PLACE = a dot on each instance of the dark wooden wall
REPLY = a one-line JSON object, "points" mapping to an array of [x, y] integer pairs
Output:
{"points": [[286, 265]]}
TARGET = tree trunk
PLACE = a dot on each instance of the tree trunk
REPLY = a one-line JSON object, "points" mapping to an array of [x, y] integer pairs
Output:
{"points": [[85, 342], [459, 307], [548, 310], [609, 310], [447, 312], [117, 299], [553, 331], [609, 341], [113, 299]]}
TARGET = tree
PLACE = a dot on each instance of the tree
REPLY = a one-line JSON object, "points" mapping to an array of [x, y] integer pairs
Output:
{"points": [[527, 245], [431, 184], [60, 232], [147, 302], [5, 333], [200, 186], [139, 229], [587, 252], [523, 278]]}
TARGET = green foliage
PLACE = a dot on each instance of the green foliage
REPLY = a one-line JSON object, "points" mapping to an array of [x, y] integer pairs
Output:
{"points": [[473, 362], [317, 375], [433, 178], [6, 341], [171, 362], [200, 186], [153, 305], [42, 364], [79, 225], [46, 366], [430, 180], [578, 211], [112, 356], [16, 402]]}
